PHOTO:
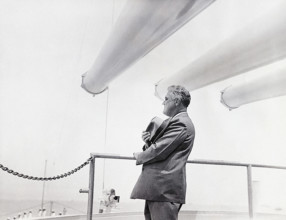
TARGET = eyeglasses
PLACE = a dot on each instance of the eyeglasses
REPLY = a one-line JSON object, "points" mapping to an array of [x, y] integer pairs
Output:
{"points": [[167, 100]]}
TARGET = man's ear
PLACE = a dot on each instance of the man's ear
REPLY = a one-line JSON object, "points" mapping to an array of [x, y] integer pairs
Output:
{"points": [[177, 102]]}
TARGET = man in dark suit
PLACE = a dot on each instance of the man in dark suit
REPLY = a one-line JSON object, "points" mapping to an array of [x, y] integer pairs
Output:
{"points": [[162, 182]]}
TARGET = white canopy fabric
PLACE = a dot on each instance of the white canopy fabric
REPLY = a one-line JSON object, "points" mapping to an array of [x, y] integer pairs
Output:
{"points": [[259, 43], [263, 87], [141, 27]]}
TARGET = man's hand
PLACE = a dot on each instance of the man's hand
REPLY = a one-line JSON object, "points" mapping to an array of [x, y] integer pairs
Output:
{"points": [[135, 155], [146, 136]]}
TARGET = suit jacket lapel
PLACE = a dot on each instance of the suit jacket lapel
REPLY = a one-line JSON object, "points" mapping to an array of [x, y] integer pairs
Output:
{"points": [[166, 125], [164, 128]]}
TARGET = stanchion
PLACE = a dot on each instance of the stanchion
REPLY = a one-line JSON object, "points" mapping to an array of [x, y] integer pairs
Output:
{"points": [[250, 198], [90, 189]]}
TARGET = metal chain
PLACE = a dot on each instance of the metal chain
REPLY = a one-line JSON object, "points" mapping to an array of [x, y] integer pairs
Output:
{"points": [[46, 178]]}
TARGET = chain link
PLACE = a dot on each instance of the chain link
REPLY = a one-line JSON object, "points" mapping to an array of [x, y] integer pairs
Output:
{"points": [[46, 178]]}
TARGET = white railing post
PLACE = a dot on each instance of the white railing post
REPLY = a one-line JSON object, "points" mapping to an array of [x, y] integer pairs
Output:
{"points": [[90, 189], [250, 194]]}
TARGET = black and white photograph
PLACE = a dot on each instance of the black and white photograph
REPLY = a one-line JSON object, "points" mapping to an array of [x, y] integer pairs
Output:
{"points": [[142, 109]]}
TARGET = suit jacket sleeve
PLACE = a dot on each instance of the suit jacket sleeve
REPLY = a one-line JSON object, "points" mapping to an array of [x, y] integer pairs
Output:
{"points": [[174, 135]]}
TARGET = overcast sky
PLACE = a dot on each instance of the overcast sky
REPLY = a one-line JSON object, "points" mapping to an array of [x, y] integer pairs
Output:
{"points": [[45, 47]]}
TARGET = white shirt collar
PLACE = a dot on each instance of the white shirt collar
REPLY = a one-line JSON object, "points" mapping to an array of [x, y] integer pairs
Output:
{"points": [[180, 113]]}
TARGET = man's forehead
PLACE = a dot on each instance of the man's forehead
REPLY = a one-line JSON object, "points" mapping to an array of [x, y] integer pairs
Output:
{"points": [[169, 95]]}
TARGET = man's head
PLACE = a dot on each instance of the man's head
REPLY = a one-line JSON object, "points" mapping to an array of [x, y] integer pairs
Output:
{"points": [[176, 100]]}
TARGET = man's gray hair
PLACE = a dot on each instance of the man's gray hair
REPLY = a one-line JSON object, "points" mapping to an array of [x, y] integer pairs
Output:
{"points": [[181, 93]]}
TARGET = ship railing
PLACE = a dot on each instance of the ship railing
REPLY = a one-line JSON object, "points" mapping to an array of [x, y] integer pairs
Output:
{"points": [[248, 167]]}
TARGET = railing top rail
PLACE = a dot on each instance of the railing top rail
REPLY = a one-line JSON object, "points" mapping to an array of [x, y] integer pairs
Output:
{"points": [[210, 162]]}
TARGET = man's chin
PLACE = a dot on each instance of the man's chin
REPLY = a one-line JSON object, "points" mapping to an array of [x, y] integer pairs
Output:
{"points": [[166, 113]]}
